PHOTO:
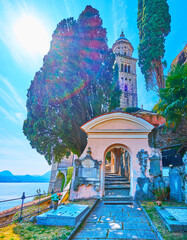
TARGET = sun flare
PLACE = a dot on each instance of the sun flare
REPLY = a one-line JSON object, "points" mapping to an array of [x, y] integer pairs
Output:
{"points": [[31, 35]]}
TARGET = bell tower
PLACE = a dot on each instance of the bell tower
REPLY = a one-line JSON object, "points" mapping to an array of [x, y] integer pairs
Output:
{"points": [[123, 50]]}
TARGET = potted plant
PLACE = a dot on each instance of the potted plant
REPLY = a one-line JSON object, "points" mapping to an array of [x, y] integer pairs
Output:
{"points": [[55, 198]]}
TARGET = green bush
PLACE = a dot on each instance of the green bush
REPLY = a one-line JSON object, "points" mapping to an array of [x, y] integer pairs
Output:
{"points": [[162, 194]]}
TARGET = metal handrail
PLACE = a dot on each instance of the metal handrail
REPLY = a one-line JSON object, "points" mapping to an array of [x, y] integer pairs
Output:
{"points": [[22, 207]]}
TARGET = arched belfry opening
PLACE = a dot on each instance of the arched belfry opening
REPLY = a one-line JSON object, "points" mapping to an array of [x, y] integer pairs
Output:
{"points": [[117, 170]]}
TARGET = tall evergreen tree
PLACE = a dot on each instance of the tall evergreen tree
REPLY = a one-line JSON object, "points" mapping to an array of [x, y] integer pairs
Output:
{"points": [[154, 25], [73, 86]]}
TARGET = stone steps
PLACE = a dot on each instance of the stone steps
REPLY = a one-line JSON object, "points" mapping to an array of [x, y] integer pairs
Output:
{"points": [[117, 198], [117, 183], [116, 179], [117, 187]]}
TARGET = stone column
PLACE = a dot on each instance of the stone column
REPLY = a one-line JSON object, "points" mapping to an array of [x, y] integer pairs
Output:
{"points": [[54, 173], [112, 162]]}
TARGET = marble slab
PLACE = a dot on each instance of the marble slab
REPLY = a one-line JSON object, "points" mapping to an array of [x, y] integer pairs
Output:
{"points": [[65, 215]]}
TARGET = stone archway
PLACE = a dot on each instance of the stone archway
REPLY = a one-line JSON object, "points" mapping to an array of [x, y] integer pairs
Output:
{"points": [[117, 170], [109, 130]]}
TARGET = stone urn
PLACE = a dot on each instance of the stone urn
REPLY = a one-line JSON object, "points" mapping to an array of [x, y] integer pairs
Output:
{"points": [[55, 205]]}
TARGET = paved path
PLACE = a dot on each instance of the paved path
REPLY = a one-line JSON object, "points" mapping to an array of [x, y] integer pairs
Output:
{"points": [[116, 222]]}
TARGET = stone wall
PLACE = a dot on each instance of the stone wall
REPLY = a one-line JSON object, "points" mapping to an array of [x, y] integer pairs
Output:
{"points": [[163, 137]]}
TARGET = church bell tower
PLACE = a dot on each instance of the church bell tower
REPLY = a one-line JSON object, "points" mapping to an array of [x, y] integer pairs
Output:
{"points": [[123, 50]]}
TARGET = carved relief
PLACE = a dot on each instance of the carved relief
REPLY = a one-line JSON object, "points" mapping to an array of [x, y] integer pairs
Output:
{"points": [[87, 172]]}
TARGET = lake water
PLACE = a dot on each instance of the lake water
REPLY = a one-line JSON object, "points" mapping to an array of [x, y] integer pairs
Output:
{"points": [[15, 190]]}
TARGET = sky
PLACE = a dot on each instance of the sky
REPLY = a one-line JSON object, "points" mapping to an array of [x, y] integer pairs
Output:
{"points": [[26, 28]]}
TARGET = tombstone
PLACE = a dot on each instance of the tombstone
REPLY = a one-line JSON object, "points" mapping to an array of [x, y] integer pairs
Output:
{"points": [[144, 186], [175, 184], [142, 157], [155, 165], [87, 172]]}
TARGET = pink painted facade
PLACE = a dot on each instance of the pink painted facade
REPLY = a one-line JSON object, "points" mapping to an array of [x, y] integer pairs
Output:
{"points": [[117, 129]]}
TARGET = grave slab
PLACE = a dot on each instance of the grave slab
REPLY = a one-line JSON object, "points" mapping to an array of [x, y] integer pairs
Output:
{"points": [[175, 218], [65, 215]]}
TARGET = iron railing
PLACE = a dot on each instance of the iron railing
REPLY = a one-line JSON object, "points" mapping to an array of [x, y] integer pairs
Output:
{"points": [[26, 209]]}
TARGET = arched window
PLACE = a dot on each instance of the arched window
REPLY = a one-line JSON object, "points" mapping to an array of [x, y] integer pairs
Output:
{"points": [[121, 67], [126, 88], [125, 68], [129, 68], [126, 79]]}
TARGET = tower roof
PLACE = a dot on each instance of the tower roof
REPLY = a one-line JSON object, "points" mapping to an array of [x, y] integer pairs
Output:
{"points": [[122, 36], [122, 39]]}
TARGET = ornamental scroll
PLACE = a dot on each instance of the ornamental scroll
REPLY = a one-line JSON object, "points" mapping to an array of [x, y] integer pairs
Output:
{"points": [[87, 172]]}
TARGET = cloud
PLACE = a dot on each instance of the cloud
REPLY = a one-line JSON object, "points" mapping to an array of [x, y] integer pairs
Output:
{"points": [[9, 116], [17, 100]]}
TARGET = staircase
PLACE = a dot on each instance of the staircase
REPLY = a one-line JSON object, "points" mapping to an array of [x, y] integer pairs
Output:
{"points": [[117, 189]]}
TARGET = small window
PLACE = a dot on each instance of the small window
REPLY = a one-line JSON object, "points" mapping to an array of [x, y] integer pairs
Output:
{"points": [[121, 67], [129, 79], [125, 53], [126, 79], [122, 78], [129, 68], [125, 68], [126, 88]]}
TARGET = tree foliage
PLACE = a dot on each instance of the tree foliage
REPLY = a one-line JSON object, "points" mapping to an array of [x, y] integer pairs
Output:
{"points": [[154, 25], [116, 93], [73, 86], [173, 98], [131, 109]]}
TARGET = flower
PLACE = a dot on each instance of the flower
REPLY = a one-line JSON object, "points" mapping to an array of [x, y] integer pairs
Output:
{"points": [[55, 197], [159, 203]]}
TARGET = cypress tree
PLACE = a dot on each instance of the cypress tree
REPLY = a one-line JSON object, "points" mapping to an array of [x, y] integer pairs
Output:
{"points": [[73, 86], [154, 25]]}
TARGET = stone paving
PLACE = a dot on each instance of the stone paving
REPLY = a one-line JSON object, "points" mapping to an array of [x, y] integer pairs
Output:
{"points": [[116, 222]]}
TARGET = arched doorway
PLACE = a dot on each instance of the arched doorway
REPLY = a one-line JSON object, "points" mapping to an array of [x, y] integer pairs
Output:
{"points": [[114, 130], [117, 170], [59, 183]]}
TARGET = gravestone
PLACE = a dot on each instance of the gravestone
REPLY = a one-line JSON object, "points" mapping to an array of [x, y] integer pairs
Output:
{"points": [[143, 186], [87, 172], [175, 184], [65, 215], [155, 165]]}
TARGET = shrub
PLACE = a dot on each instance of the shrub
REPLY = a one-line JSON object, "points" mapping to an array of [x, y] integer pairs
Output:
{"points": [[162, 194]]}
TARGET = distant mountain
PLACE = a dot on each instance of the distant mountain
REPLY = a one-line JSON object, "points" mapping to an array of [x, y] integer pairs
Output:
{"points": [[7, 176], [6, 173], [47, 175]]}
